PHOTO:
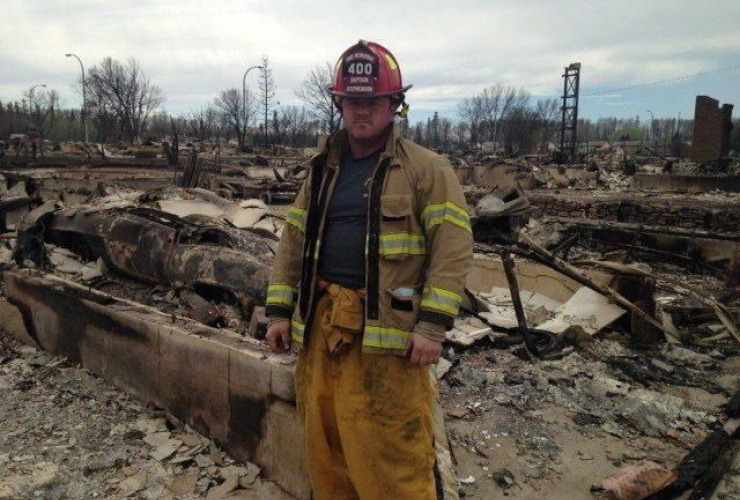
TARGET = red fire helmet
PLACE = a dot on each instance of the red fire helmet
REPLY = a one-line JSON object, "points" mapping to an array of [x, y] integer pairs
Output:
{"points": [[367, 69]]}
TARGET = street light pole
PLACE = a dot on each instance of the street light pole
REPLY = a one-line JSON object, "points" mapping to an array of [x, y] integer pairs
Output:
{"points": [[244, 99], [84, 94]]}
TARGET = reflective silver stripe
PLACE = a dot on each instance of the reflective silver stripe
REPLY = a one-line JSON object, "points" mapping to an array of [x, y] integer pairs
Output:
{"points": [[445, 212], [296, 331], [385, 338], [402, 243], [297, 218], [280, 294], [440, 299]]}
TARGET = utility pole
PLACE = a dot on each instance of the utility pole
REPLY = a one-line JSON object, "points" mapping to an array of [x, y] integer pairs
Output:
{"points": [[569, 124], [84, 95], [652, 121], [244, 100]]}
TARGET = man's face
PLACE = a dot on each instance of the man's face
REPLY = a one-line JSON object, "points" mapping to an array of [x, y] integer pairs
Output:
{"points": [[367, 119]]}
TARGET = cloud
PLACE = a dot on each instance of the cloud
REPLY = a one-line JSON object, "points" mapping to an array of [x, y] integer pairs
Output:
{"points": [[448, 50]]}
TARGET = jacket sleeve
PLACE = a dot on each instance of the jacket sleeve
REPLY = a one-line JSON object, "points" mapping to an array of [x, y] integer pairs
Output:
{"points": [[286, 270], [449, 241]]}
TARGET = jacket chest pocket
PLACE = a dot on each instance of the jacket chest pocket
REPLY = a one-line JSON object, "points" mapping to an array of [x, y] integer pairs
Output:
{"points": [[399, 235]]}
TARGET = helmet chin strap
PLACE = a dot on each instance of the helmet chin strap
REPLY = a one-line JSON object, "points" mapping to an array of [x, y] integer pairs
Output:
{"points": [[404, 112]]}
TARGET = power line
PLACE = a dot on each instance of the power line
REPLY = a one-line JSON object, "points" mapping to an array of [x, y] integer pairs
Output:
{"points": [[667, 80]]}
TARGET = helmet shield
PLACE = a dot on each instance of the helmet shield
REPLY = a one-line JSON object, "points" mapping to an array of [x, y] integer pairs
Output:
{"points": [[360, 69]]}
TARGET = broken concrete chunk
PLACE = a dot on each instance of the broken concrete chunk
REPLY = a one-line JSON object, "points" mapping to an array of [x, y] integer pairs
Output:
{"points": [[588, 309], [442, 368]]}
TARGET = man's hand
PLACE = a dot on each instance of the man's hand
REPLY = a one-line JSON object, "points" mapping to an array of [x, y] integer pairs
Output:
{"points": [[422, 351], [278, 336]]}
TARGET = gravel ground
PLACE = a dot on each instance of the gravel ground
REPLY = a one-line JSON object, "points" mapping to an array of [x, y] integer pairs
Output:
{"points": [[66, 434]]}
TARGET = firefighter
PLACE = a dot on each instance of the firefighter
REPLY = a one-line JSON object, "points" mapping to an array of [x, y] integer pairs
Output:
{"points": [[368, 277]]}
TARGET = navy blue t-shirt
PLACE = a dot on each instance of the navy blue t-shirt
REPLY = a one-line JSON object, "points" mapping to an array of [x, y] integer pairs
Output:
{"points": [[342, 252]]}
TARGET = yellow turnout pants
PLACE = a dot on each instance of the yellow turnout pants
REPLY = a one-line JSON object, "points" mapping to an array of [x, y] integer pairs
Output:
{"points": [[367, 417]]}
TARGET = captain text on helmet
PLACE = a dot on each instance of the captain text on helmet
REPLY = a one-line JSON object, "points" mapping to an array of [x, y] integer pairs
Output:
{"points": [[368, 277]]}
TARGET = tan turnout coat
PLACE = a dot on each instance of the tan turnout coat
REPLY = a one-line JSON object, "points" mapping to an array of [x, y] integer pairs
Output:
{"points": [[418, 245]]}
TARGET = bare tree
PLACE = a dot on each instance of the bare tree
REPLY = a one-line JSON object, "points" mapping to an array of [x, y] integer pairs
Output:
{"points": [[445, 130], [230, 113], [229, 105], [267, 92], [518, 124], [520, 130], [293, 125], [472, 111], [44, 109], [125, 91], [202, 124], [314, 91], [491, 107], [160, 125], [460, 134], [548, 112]]}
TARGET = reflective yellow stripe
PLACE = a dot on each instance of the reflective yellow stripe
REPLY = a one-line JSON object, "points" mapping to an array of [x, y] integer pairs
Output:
{"points": [[402, 243], [297, 218], [441, 300], [280, 294], [385, 338], [296, 331], [434, 215]]}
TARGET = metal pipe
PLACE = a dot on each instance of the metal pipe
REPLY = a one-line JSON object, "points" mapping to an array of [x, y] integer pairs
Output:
{"points": [[516, 300], [84, 95]]}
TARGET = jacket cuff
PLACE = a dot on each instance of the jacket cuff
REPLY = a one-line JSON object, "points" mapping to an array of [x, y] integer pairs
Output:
{"points": [[275, 311], [443, 320], [276, 319], [430, 331]]}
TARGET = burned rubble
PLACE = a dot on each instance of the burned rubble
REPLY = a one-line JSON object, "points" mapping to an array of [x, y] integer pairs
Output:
{"points": [[623, 368], [69, 434]]}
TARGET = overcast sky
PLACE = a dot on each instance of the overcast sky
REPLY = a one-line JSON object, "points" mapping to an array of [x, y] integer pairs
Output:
{"points": [[447, 49]]}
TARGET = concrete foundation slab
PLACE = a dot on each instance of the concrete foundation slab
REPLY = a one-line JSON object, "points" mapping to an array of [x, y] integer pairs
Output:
{"points": [[691, 184], [225, 386]]}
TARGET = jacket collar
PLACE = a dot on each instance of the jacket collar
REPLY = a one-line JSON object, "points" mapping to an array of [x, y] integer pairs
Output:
{"points": [[338, 145]]}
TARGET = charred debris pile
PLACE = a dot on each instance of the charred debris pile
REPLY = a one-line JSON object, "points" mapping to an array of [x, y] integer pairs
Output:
{"points": [[603, 306]]}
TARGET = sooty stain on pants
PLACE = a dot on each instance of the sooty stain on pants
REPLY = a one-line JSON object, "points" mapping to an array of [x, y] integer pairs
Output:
{"points": [[411, 429]]}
